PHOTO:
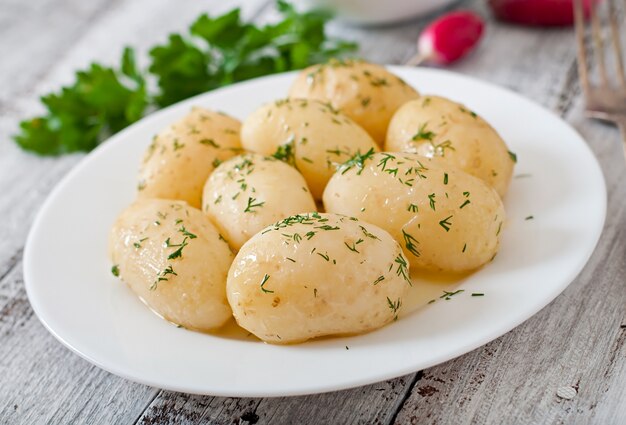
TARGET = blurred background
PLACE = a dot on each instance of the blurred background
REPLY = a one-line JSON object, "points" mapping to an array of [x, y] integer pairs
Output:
{"points": [[528, 46], [53, 38]]}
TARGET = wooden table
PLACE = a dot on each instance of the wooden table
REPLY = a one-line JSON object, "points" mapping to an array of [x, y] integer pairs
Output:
{"points": [[577, 342]]}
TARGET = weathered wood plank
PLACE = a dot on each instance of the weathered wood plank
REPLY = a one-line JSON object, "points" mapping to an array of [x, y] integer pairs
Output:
{"points": [[42, 383], [21, 22], [373, 404], [185, 409], [19, 75]]}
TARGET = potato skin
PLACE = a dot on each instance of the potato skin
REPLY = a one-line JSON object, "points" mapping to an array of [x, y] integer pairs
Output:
{"points": [[310, 135], [188, 289], [317, 274], [445, 219], [249, 192], [435, 126], [365, 92], [181, 157]]}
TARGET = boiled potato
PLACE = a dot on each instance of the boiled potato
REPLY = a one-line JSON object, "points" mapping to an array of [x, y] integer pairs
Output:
{"points": [[365, 92], [434, 126], [444, 218], [310, 135], [249, 192], [181, 157], [175, 260], [317, 274]]}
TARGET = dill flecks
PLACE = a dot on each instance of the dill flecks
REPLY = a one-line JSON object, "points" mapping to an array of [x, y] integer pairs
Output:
{"points": [[263, 282], [394, 306], [445, 223], [431, 198], [447, 294]]}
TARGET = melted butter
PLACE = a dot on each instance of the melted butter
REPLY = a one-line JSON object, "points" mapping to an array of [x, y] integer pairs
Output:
{"points": [[231, 330], [429, 286]]}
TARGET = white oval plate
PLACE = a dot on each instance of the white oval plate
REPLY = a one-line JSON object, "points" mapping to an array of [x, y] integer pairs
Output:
{"points": [[69, 284]]}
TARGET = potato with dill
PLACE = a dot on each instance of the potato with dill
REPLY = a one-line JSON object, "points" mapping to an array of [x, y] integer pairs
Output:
{"points": [[445, 219], [367, 93], [311, 275], [175, 260], [310, 135], [434, 126], [181, 157], [248, 192]]}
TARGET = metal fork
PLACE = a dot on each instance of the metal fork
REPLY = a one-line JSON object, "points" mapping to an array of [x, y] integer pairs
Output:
{"points": [[606, 99]]}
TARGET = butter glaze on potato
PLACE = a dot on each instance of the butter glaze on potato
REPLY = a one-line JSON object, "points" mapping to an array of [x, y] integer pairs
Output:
{"points": [[249, 192], [445, 219], [175, 260], [314, 274], [434, 126], [310, 135], [182, 156], [367, 93]]}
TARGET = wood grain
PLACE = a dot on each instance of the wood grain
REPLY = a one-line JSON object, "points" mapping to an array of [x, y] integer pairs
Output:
{"points": [[375, 404], [578, 341], [43, 383]]}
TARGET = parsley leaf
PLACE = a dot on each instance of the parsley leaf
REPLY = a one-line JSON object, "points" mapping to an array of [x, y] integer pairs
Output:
{"points": [[100, 102], [215, 52], [182, 70], [224, 50]]}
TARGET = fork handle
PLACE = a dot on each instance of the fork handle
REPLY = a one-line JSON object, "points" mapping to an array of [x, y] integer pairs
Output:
{"points": [[621, 123]]}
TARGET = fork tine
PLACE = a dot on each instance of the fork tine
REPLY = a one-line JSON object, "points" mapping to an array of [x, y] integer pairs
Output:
{"points": [[617, 45], [598, 43], [580, 39]]}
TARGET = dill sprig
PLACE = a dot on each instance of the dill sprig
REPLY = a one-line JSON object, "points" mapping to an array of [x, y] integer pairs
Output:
{"points": [[423, 134], [357, 161]]}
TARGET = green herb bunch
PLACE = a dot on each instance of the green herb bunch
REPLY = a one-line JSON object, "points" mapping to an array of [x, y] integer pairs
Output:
{"points": [[216, 52]]}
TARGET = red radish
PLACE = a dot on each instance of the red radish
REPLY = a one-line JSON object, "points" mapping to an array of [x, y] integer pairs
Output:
{"points": [[449, 38], [538, 12]]}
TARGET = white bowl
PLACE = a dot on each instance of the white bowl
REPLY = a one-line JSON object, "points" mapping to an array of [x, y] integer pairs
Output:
{"points": [[371, 12]]}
